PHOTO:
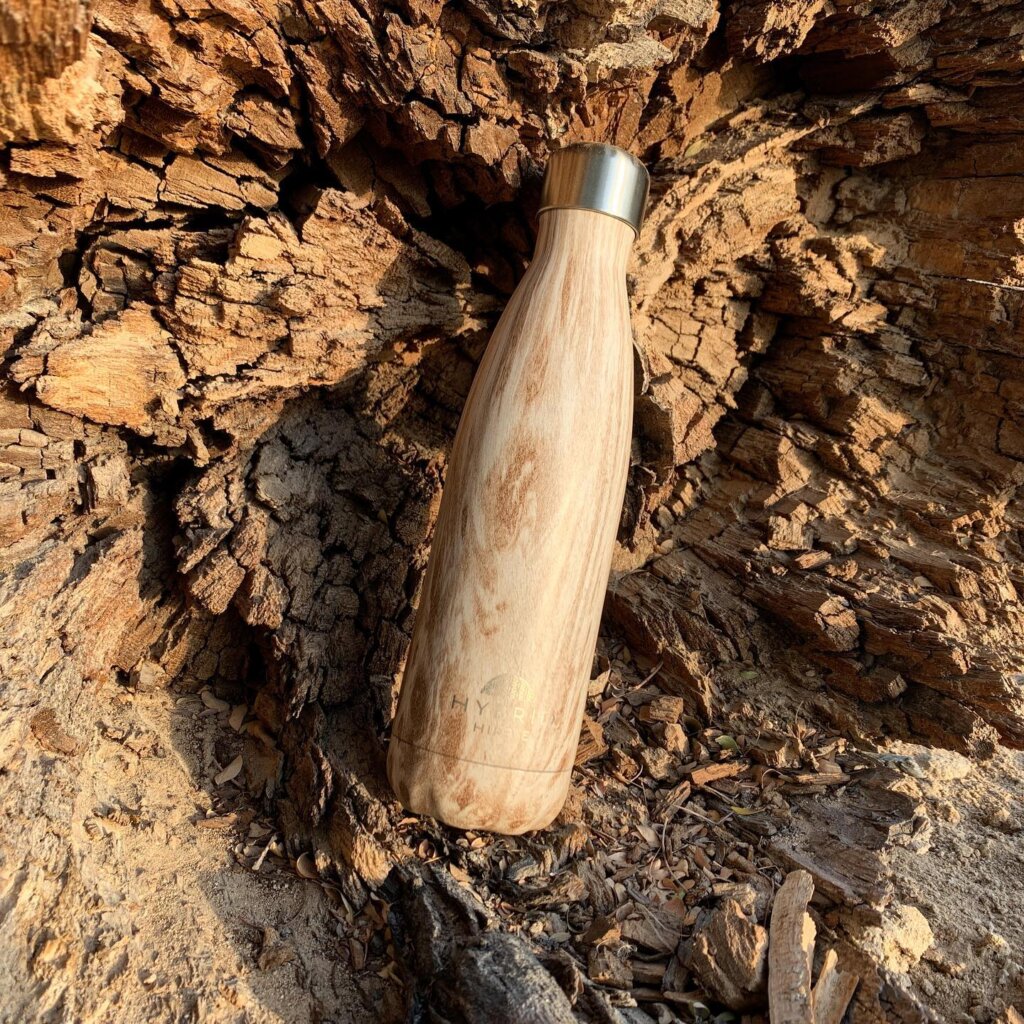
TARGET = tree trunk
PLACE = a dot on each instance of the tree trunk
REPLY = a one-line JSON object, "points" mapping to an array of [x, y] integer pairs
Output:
{"points": [[252, 254]]}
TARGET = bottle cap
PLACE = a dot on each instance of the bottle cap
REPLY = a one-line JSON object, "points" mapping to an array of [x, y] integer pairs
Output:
{"points": [[593, 176]]}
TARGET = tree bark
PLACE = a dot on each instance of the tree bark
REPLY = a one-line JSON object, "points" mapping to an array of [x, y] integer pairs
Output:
{"points": [[252, 254]]}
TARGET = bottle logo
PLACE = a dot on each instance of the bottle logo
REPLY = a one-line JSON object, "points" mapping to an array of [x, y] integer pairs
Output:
{"points": [[505, 704]]}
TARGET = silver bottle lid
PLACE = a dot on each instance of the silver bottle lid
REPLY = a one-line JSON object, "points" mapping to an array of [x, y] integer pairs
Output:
{"points": [[593, 176]]}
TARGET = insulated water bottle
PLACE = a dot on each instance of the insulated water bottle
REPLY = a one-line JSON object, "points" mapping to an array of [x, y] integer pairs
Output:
{"points": [[494, 687]]}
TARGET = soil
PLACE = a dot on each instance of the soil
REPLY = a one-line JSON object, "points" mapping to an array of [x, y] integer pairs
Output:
{"points": [[156, 919], [970, 886], [159, 912]]}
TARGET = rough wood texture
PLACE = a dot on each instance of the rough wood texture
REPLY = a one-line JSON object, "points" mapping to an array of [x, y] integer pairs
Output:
{"points": [[790, 952], [832, 991], [844, 842], [250, 254], [728, 956], [463, 967], [494, 686]]}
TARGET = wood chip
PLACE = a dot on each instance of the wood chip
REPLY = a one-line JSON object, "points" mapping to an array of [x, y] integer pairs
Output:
{"points": [[653, 929], [810, 559], [717, 770], [50, 734], [357, 954], [670, 800], [607, 967], [776, 751], [592, 744], [662, 709], [624, 767], [728, 956], [818, 778], [599, 683], [647, 995], [648, 974], [832, 991], [790, 951], [675, 740], [658, 763]]}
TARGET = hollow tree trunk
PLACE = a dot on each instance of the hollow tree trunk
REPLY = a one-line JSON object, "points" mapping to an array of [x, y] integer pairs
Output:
{"points": [[251, 255]]}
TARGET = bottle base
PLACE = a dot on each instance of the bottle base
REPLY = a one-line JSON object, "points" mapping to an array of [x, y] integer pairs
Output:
{"points": [[472, 795]]}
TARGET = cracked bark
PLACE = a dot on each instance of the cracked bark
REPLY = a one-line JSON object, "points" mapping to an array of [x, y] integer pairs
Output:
{"points": [[250, 261]]}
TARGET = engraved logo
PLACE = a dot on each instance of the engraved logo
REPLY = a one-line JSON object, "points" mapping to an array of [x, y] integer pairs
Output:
{"points": [[503, 700]]}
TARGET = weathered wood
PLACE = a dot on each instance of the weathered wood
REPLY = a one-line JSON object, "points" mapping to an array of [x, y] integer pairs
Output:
{"points": [[663, 709], [728, 955], [462, 967], [832, 991], [592, 744], [845, 841], [790, 951]]}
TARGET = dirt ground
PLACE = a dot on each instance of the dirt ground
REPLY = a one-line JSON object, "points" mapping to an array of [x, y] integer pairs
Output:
{"points": [[146, 911], [145, 914], [970, 885]]}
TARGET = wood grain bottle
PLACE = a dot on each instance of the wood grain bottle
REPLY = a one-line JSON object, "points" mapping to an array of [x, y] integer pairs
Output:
{"points": [[495, 683]]}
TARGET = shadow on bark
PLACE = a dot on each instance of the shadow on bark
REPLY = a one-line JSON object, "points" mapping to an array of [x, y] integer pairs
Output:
{"points": [[313, 544]]}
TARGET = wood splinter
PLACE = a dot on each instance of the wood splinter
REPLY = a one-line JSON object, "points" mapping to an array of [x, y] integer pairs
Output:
{"points": [[791, 997]]}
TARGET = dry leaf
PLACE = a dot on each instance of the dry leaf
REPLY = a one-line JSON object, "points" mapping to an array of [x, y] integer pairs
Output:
{"points": [[229, 772], [649, 834], [212, 702]]}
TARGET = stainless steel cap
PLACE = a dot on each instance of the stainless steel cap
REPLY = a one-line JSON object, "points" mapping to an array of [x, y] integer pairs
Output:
{"points": [[592, 176]]}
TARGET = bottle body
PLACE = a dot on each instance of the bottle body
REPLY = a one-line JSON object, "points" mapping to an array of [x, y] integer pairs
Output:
{"points": [[495, 682]]}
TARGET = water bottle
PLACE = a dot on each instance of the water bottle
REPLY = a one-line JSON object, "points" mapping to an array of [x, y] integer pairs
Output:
{"points": [[495, 683]]}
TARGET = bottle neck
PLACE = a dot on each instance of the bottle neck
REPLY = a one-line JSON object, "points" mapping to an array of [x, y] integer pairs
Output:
{"points": [[585, 235]]}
